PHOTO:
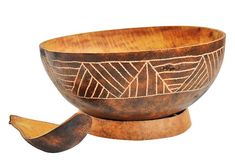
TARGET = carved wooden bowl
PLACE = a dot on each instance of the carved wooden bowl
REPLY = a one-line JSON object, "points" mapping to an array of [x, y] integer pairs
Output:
{"points": [[136, 73], [132, 84]]}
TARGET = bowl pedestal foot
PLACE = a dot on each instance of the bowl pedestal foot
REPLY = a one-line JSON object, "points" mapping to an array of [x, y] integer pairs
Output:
{"points": [[141, 130]]}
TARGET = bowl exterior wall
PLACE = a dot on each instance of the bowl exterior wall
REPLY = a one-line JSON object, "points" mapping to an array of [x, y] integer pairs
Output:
{"points": [[135, 85]]}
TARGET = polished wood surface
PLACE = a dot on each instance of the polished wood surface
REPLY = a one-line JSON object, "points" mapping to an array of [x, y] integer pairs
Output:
{"points": [[141, 130], [51, 137], [137, 73], [133, 84], [133, 40]]}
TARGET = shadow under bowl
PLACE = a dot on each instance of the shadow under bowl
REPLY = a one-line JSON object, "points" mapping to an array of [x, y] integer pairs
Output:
{"points": [[136, 73]]}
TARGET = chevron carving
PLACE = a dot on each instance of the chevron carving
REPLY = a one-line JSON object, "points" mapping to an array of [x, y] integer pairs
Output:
{"points": [[133, 79]]}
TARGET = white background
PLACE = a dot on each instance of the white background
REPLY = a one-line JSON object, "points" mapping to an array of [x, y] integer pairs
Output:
{"points": [[26, 90]]}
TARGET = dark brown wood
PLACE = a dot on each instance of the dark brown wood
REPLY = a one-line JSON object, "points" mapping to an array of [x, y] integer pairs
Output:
{"points": [[50, 137], [137, 73], [141, 130]]}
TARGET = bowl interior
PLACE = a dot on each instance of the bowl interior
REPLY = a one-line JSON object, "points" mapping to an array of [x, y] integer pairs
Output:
{"points": [[133, 39]]}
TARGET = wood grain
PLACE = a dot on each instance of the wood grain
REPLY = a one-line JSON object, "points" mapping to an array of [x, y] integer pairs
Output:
{"points": [[51, 137], [133, 40], [141, 130], [136, 73]]}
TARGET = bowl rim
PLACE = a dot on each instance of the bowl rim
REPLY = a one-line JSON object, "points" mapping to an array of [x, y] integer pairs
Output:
{"points": [[223, 36]]}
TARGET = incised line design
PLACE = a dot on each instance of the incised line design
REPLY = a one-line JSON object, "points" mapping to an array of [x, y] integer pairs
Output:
{"points": [[135, 79]]}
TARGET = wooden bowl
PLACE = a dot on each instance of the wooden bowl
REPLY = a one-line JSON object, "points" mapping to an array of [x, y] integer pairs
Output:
{"points": [[136, 73]]}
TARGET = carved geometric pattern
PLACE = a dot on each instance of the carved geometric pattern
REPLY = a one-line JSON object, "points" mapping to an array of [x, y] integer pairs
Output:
{"points": [[133, 79]]}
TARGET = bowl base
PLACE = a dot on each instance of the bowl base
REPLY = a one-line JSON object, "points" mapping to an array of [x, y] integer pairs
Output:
{"points": [[141, 130]]}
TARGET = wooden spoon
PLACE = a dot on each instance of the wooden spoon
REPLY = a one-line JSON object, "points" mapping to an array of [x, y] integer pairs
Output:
{"points": [[50, 137]]}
